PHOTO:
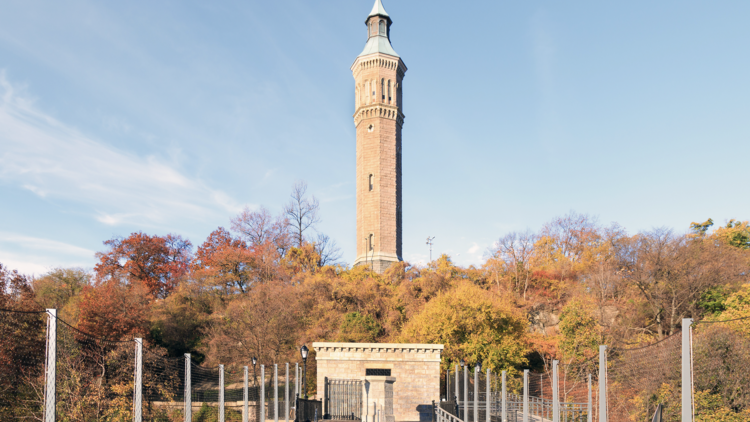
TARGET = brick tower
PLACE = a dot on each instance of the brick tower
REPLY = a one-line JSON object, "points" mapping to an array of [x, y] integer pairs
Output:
{"points": [[378, 117]]}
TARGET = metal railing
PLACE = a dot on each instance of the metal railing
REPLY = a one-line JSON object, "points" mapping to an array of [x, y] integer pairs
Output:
{"points": [[308, 410], [442, 415]]}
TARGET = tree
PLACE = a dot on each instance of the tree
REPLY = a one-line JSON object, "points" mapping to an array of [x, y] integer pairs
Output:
{"points": [[225, 262], [472, 323], [327, 249], [154, 261], [22, 339], [672, 272], [61, 287], [302, 212], [115, 310], [735, 233], [262, 323], [359, 328], [260, 227], [515, 254]]}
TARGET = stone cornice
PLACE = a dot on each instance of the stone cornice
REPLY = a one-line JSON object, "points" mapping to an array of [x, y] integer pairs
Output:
{"points": [[409, 348], [379, 60], [379, 110]]}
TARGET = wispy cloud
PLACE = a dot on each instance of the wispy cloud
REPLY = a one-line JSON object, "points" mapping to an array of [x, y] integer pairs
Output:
{"points": [[57, 162], [26, 254]]}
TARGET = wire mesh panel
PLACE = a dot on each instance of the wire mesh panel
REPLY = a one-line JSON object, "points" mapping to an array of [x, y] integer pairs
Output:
{"points": [[94, 377], [163, 386], [639, 379], [204, 392], [22, 356], [234, 394], [721, 371]]}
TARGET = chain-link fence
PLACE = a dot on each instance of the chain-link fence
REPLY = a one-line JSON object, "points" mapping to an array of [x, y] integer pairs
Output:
{"points": [[482, 396], [51, 371], [22, 355]]}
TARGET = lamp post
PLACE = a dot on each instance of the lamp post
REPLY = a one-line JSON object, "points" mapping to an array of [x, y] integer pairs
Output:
{"points": [[255, 377], [463, 362], [303, 351]]}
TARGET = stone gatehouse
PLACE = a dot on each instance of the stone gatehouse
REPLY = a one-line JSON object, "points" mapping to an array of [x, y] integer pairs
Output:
{"points": [[413, 370]]}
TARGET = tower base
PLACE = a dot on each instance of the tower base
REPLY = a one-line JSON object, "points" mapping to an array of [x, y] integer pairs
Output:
{"points": [[377, 262]]}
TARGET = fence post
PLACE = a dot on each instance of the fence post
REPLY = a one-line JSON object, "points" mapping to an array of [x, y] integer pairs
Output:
{"points": [[296, 381], [50, 366], [276, 392], [138, 387], [504, 415], [488, 398], [245, 407], [687, 379], [602, 384], [525, 395], [476, 394], [458, 373], [188, 390], [286, 394], [262, 398], [465, 401], [221, 393], [590, 417], [555, 393]]}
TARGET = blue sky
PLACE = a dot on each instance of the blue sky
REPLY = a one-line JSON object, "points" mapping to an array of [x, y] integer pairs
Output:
{"points": [[170, 116]]}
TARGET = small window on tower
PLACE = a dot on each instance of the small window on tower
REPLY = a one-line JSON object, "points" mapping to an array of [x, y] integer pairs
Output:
{"points": [[382, 88], [373, 90], [389, 91], [382, 27], [370, 240], [370, 183]]}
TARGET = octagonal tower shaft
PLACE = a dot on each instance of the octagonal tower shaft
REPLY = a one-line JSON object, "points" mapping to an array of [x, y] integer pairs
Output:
{"points": [[378, 117]]}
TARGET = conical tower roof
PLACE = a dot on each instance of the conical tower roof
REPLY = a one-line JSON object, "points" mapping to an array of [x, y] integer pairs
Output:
{"points": [[377, 9]]}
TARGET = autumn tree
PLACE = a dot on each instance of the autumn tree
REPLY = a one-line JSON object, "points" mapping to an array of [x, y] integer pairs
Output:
{"points": [[513, 259], [671, 273], [60, 289], [735, 233], [225, 262], [474, 324], [157, 262], [114, 309], [262, 323]]}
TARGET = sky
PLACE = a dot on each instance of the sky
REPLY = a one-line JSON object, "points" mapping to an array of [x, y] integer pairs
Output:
{"points": [[172, 116]]}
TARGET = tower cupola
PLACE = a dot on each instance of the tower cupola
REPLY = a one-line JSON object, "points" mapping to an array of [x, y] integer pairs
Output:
{"points": [[378, 31]]}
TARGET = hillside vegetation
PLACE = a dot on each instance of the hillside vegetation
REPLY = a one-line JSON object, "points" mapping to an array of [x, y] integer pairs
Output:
{"points": [[270, 283]]}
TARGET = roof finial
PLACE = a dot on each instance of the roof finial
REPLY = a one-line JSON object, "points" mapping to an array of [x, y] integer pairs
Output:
{"points": [[378, 9]]}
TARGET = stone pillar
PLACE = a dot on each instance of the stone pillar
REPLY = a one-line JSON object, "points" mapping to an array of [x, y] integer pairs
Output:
{"points": [[378, 394]]}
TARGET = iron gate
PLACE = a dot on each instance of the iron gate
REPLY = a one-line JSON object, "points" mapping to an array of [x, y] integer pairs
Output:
{"points": [[344, 399]]}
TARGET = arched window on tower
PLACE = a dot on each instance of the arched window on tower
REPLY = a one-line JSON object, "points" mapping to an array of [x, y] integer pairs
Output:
{"points": [[389, 91], [382, 89], [370, 241], [382, 28], [374, 87], [372, 29], [370, 182]]}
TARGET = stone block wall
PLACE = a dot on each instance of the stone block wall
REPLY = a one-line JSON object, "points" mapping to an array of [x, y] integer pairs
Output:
{"points": [[416, 368]]}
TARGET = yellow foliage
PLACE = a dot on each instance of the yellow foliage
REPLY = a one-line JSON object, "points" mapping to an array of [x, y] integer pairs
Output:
{"points": [[474, 324]]}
